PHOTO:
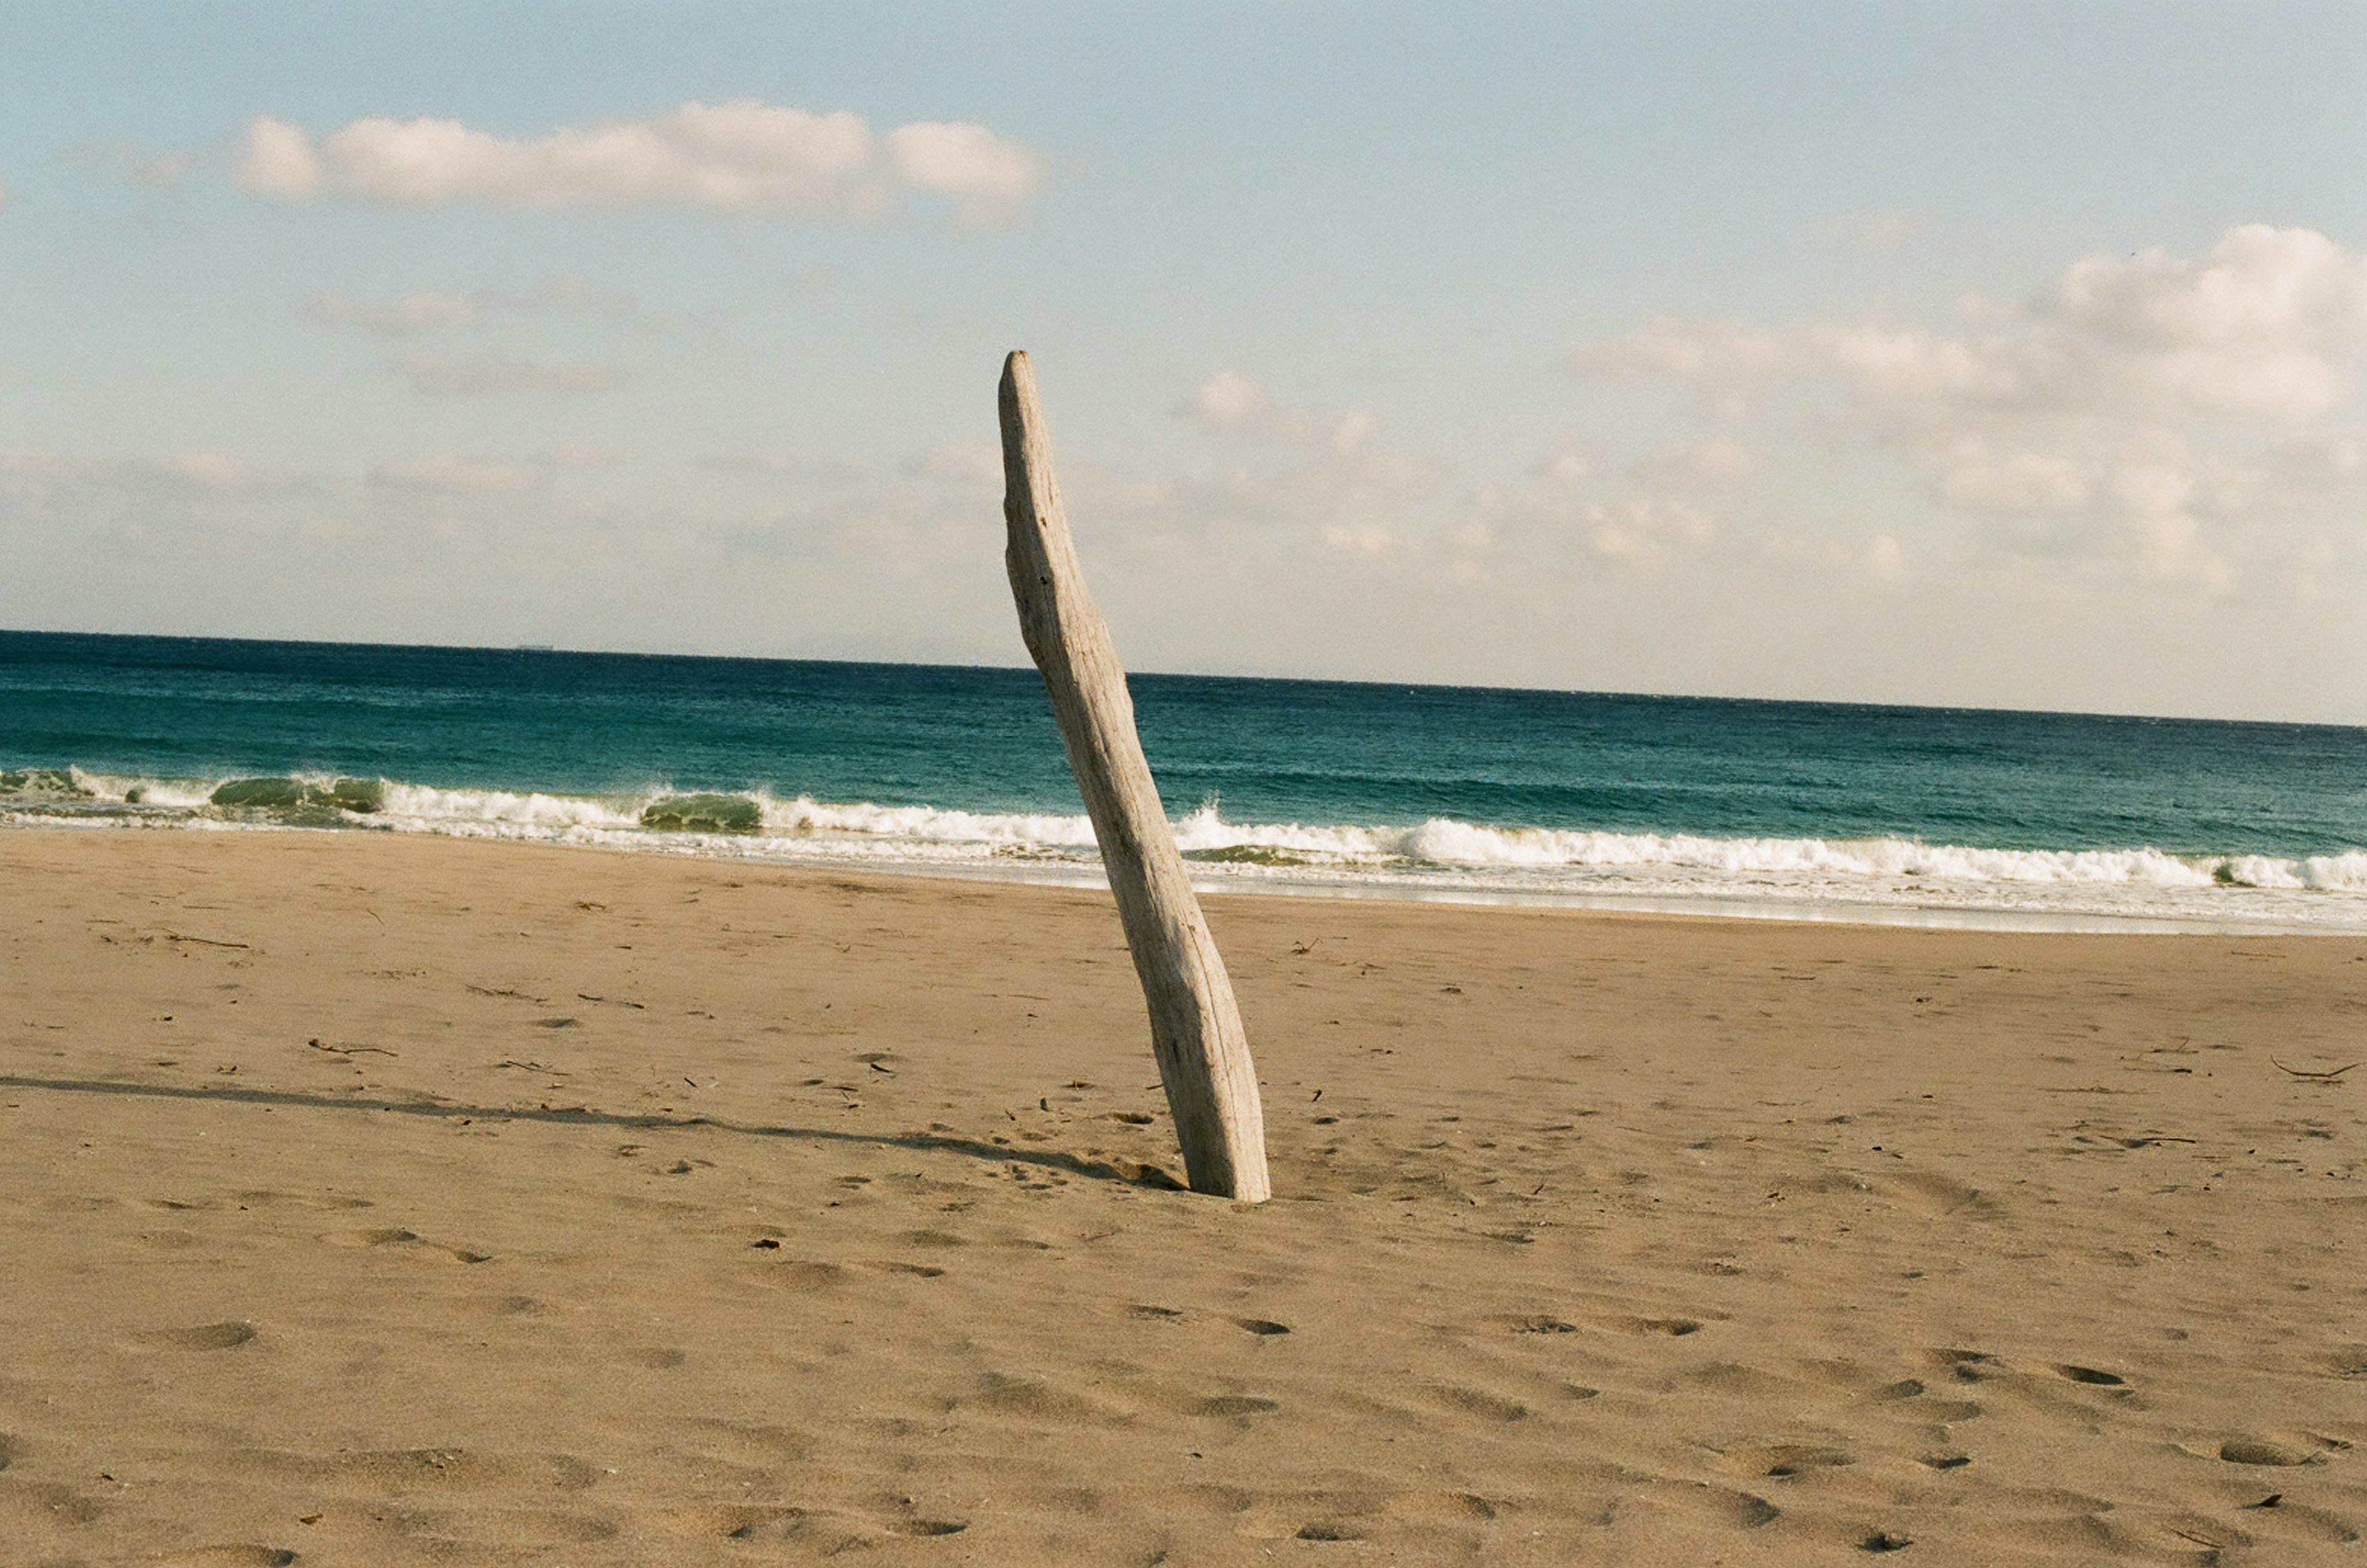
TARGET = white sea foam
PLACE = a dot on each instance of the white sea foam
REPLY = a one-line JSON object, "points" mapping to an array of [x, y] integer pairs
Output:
{"points": [[1438, 856], [536, 813]]}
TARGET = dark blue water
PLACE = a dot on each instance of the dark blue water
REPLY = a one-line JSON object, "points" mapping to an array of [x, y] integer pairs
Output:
{"points": [[1320, 755]]}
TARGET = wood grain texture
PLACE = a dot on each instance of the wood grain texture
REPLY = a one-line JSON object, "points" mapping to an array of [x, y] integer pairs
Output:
{"points": [[1195, 1029]]}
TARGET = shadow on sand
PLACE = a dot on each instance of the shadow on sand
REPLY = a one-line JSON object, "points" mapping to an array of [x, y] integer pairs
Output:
{"points": [[1131, 1175]]}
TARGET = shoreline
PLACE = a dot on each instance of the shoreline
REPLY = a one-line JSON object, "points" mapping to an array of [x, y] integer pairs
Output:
{"points": [[1087, 876]]}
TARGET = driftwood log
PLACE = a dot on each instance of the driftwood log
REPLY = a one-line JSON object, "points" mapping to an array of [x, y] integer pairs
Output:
{"points": [[1196, 1030]]}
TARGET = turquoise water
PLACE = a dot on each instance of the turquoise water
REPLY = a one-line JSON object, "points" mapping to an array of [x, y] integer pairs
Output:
{"points": [[1793, 807]]}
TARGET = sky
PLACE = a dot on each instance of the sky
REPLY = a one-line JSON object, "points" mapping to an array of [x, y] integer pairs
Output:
{"points": [[1960, 353]]}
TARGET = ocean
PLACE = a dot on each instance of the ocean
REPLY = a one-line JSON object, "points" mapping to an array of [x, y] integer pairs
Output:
{"points": [[1935, 816]]}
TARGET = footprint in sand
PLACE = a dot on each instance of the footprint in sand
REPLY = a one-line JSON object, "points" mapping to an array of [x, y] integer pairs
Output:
{"points": [[919, 1271], [2250, 1449], [1478, 1402], [1032, 1399], [1968, 1366], [1935, 1194], [1782, 1461], [2093, 1377], [1264, 1327], [2346, 1360], [245, 1554], [1440, 1508], [1744, 1510], [927, 1527], [204, 1336], [810, 1274], [1948, 1412], [395, 1235], [745, 1523]]}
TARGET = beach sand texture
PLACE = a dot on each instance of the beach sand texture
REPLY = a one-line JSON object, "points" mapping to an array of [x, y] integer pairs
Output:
{"points": [[388, 1200]]}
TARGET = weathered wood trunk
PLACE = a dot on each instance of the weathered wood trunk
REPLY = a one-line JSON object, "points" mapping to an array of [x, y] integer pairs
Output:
{"points": [[1196, 1030]]}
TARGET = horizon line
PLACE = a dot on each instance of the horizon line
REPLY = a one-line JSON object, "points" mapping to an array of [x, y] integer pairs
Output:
{"points": [[557, 650]]}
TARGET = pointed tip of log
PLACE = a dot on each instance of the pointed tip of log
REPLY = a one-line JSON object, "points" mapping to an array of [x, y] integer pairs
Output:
{"points": [[1015, 396]]}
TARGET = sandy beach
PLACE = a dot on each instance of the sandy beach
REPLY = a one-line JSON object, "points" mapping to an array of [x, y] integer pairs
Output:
{"points": [[386, 1199]]}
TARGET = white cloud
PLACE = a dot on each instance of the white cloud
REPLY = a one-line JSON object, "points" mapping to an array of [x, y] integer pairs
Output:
{"points": [[1229, 403], [2321, 457], [1719, 461], [740, 155], [1369, 539], [279, 162], [429, 310], [1225, 402], [1674, 346], [768, 464], [987, 176], [444, 473], [437, 376], [215, 470], [960, 462], [157, 171], [2269, 322], [34, 463], [1973, 476], [1568, 461], [2170, 411], [413, 312], [1644, 533]]}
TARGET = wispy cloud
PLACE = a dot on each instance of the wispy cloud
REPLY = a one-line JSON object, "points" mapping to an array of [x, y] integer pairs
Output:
{"points": [[2140, 405], [143, 165], [424, 311], [412, 313], [1229, 403], [743, 155], [436, 375], [449, 474]]}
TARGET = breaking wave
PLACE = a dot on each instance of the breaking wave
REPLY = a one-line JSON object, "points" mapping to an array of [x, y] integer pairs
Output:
{"points": [[1439, 856]]}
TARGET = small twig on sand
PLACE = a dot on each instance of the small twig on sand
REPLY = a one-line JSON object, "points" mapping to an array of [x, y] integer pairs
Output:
{"points": [[2316, 1076], [349, 1050]]}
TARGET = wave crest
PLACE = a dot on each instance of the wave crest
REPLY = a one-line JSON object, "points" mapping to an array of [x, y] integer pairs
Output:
{"points": [[1438, 854]]}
